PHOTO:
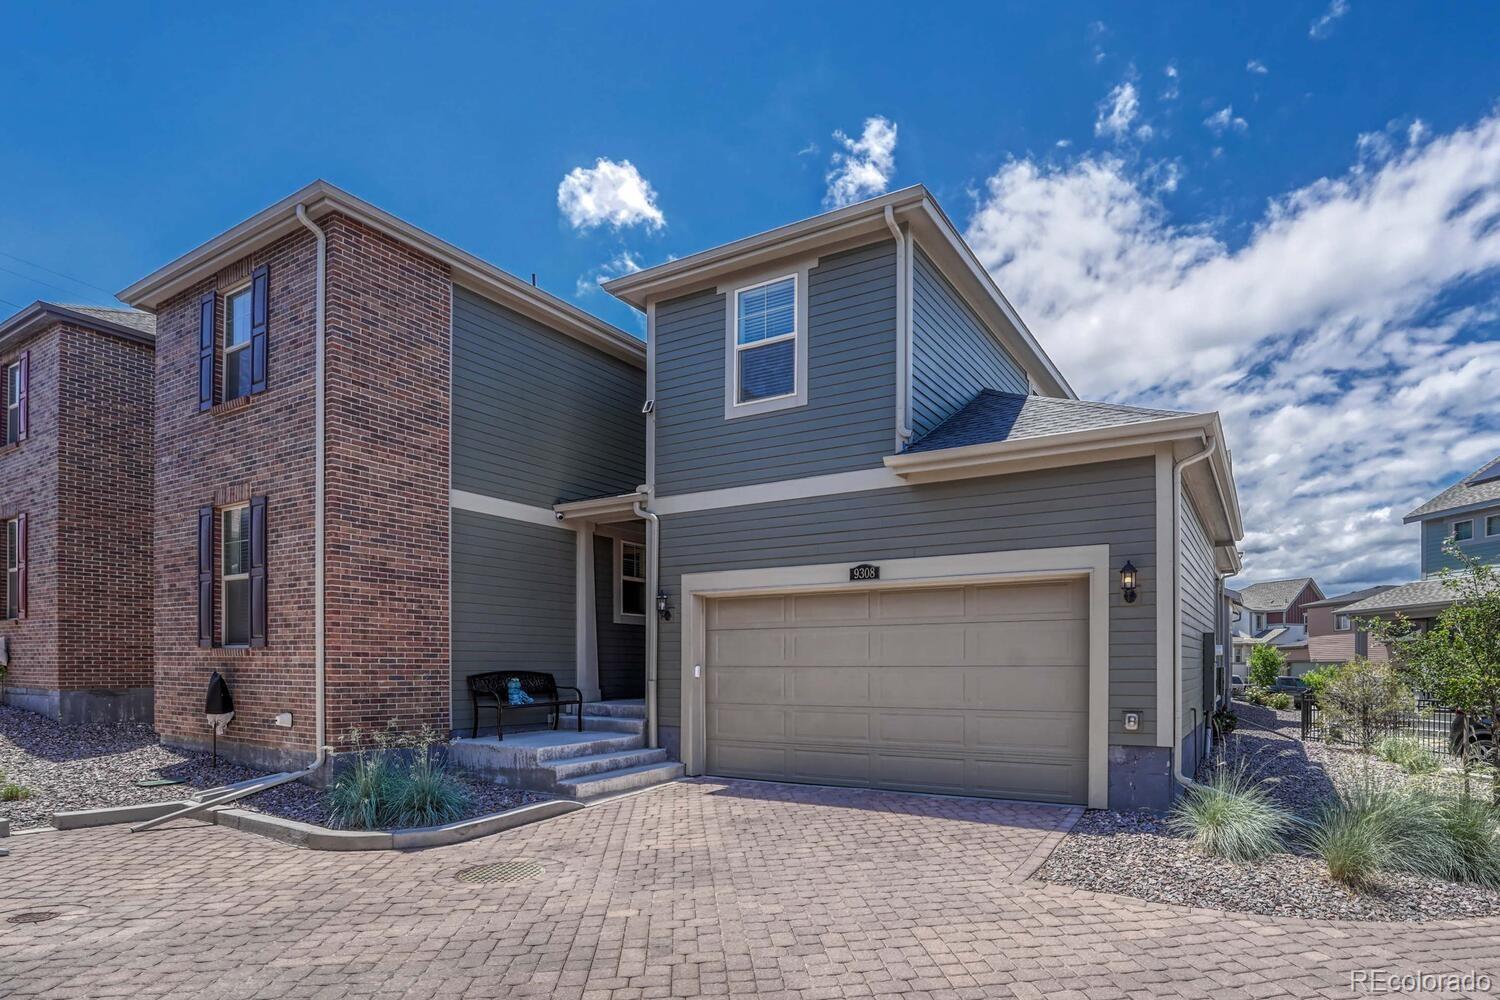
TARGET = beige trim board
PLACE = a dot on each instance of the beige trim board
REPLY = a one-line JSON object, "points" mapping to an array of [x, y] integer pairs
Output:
{"points": [[806, 488], [478, 503], [1087, 561]]}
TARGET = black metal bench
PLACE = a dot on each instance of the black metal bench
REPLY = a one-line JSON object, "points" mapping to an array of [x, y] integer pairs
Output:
{"points": [[541, 688]]}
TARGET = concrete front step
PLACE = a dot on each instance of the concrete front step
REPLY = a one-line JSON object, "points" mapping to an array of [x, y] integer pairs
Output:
{"points": [[608, 723], [625, 780], [591, 746], [578, 767], [628, 709]]}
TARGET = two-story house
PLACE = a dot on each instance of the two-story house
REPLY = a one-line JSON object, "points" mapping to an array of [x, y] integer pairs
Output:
{"points": [[1468, 514], [75, 504], [839, 519], [1334, 635], [1273, 612]]}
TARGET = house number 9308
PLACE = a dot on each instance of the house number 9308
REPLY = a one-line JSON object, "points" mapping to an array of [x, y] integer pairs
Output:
{"points": [[864, 571]]}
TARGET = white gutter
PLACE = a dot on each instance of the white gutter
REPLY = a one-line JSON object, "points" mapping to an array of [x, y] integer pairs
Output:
{"points": [[653, 583], [903, 332], [319, 492], [1177, 467]]}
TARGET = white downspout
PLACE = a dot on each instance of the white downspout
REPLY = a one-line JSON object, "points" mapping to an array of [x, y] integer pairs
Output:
{"points": [[319, 493], [903, 331], [1177, 467], [653, 582]]}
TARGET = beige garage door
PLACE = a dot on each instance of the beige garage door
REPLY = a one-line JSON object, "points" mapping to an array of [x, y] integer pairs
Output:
{"points": [[979, 690]]}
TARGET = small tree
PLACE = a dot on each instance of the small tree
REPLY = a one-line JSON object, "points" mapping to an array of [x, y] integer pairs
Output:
{"points": [[1266, 664], [1457, 659], [1368, 698]]}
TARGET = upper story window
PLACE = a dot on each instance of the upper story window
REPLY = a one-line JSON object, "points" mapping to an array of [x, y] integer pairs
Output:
{"points": [[1341, 622], [17, 375], [1492, 525], [630, 582], [766, 357], [237, 344], [1260, 622], [1463, 531]]}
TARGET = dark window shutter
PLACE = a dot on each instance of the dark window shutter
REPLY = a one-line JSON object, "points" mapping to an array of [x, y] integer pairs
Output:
{"points": [[208, 393], [260, 313], [257, 571], [205, 576], [22, 547], [23, 399]]}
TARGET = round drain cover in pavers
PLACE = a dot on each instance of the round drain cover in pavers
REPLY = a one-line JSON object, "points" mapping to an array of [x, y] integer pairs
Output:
{"points": [[500, 871], [33, 917]]}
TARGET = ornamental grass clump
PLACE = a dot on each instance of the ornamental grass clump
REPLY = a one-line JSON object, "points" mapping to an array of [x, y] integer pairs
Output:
{"points": [[1473, 830], [428, 795], [1372, 827], [1231, 817], [394, 782], [1409, 754]]}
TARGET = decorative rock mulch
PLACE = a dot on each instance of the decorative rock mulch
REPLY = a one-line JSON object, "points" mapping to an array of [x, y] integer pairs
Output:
{"points": [[88, 767], [1139, 854]]}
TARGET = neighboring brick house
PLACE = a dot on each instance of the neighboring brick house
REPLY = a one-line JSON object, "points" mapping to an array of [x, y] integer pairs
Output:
{"points": [[75, 499], [434, 363], [1334, 635]]}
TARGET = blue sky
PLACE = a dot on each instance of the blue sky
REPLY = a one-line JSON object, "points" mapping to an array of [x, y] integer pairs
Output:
{"points": [[1285, 212]]}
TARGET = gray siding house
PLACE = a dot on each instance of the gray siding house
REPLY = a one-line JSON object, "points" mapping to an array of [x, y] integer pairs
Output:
{"points": [[894, 549]]}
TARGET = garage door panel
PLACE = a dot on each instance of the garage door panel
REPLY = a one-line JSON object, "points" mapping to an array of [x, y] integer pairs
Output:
{"points": [[977, 690]]}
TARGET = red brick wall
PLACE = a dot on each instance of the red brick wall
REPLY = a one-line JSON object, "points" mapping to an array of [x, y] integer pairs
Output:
{"points": [[262, 445], [105, 513], [28, 485], [387, 496], [388, 322]]}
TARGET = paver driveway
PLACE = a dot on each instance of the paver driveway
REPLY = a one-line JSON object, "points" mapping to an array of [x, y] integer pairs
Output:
{"points": [[697, 888]]}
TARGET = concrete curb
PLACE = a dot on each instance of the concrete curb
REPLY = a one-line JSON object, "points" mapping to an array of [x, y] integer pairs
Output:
{"points": [[317, 838], [110, 815]]}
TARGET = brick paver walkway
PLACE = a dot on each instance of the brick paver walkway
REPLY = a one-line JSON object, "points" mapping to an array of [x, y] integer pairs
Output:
{"points": [[698, 888]]}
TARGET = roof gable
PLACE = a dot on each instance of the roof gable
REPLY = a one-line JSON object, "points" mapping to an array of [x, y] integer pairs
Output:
{"points": [[1277, 595]]}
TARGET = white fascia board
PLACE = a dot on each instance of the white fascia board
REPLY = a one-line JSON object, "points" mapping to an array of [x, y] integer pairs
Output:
{"points": [[601, 508]]}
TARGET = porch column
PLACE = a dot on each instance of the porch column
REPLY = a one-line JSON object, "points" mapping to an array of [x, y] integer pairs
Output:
{"points": [[585, 630]]}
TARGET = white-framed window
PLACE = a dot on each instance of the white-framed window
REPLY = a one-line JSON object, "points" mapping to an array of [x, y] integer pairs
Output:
{"points": [[13, 402], [1462, 531], [1260, 622], [237, 363], [234, 573], [1492, 526], [765, 363], [630, 582], [1341, 622], [13, 568]]}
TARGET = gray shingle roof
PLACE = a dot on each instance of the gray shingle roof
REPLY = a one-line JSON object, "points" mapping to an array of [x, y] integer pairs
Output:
{"points": [[1349, 598], [141, 322], [993, 416], [1409, 595], [1273, 595], [1480, 486]]}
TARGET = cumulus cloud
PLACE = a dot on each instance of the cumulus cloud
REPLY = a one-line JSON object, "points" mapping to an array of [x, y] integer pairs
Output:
{"points": [[608, 193], [1225, 119], [863, 167], [1257, 67], [1118, 113], [1349, 341], [1322, 27]]}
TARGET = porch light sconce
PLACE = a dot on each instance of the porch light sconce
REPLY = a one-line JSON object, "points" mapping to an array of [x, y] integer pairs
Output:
{"points": [[662, 607], [1127, 582]]}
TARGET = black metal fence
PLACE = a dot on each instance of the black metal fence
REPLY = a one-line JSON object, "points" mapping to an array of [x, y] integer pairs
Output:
{"points": [[1431, 724]]}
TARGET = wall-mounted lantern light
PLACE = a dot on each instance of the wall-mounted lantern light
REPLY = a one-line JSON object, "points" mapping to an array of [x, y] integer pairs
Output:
{"points": [[1127, 582], [662, 607]]}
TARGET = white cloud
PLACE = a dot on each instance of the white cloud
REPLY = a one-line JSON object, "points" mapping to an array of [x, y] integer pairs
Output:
{"points": [[1118, 112], [1349, 342], [1224, 119], [608, 193], [1256, 66], [864, 167], [1322, 27], [621, 263], [1173, 89]]}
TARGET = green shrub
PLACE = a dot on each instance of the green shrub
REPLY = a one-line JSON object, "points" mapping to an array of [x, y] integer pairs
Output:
{"points": [[1368, 699], [1266, 664], [1318, 679], [1232, 817], [1371, 827], [1473, 830], [1224, 722], [13, 792], [1408, 754]]}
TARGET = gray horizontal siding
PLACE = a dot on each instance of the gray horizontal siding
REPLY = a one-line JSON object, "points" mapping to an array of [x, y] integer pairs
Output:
{"points": [[622, 648], [513, 603], [1200, 587], [539, 417], [953, 355], [849, 420], [1435, 532], [1107, 503]]}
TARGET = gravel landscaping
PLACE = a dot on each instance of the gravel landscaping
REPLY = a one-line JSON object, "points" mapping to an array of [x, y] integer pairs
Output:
{"points": [[88, 767], [1138, 854]]}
